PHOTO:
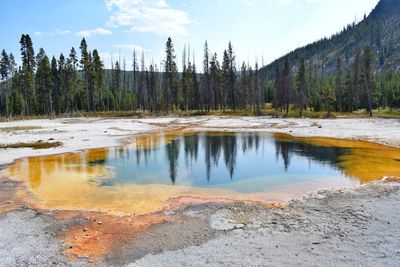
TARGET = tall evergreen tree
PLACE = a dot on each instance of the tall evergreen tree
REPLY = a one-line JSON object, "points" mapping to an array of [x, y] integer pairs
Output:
{"points": [[257, 92], [244, 84], [99, 82], [368, 64], [354, 94], [28, 69], [208, 99], [338, 85], [301, 87], [231, 79], [225, 79], [86, 64], [287, 84], [348, 92], [195, 88], [215, 81], [44, 84], [70, 80], [170, 80], [115, 87], [5, 73], [56, 88]]}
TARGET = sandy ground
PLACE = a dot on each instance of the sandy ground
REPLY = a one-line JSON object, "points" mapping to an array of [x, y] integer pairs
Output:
{"points": [[357, 228], [329, 228]]}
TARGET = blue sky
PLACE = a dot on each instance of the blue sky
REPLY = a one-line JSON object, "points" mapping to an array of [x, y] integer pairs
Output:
{"points": [[259, 29]]}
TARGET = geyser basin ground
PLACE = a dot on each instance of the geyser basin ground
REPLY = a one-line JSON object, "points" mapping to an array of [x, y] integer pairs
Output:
{"points": [[144, 176]]}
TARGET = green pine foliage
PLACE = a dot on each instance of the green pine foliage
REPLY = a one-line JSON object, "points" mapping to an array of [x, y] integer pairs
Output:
{"points": [[355, 69]]}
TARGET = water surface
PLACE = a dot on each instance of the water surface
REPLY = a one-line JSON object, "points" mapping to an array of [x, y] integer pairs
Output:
{"points": [[243, 162], [144, 176]]}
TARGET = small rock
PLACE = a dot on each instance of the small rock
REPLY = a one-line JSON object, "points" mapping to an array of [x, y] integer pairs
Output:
{"points": [[85, 229], [99, 223]]}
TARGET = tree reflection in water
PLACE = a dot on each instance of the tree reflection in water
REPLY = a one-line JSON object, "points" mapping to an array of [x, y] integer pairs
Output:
{"points": [[210, 146]]}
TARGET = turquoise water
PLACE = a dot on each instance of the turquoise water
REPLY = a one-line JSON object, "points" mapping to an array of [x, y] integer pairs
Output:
{"points": [[243, 162]]}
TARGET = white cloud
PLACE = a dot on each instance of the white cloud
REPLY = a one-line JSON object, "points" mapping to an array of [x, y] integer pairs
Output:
{"points": [[131, 47], [97, 31], [154, 16], [52, 33]]}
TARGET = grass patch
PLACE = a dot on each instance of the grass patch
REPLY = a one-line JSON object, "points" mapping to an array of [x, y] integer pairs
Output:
{"points": [[386, 112], [266, 110], [19, 128], [34, 145]]}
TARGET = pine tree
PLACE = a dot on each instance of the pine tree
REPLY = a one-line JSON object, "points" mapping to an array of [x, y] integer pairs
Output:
{"points": [[152, 87], [231, 79], [28, 69], [368, 64], [5, 73], [86, 64], [116, 85], [99, 82], [44, 84], [208, 99], [354, 94], [287, 84], [135, 70], [62, 75], [257, 93], [4, 65], [215, 81], [70, 79], [328, 97], [56, 86], [142, 86], [170, 93], [279, 91], [338, 85], [348, 92], [195, 88], [225, 79], [301, 87]]}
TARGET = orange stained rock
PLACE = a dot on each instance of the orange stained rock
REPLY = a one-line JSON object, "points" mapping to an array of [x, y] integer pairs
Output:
{"points": [[392, 179], [102, 232]]}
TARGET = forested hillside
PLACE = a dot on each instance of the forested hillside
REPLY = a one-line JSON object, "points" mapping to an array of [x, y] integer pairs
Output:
{"points": [[355, 69], [380, 30]]}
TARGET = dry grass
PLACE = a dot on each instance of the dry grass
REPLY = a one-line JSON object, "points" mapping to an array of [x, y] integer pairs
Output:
{"points": [[266, 110], [34, 145], [19, 128]]}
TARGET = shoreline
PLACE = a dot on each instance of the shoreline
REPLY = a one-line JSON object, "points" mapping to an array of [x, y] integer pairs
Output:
{"points": [[77, 134], [212, 225]]}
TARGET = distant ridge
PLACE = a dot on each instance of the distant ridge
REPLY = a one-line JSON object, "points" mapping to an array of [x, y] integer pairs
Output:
{"points": [[381, 30]]}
